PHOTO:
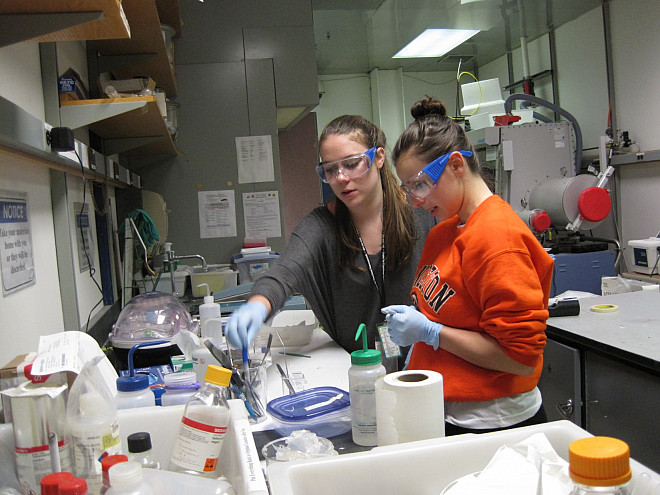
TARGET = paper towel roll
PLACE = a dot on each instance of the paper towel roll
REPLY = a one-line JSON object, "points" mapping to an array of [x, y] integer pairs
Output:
{"points": [[410, 406]]}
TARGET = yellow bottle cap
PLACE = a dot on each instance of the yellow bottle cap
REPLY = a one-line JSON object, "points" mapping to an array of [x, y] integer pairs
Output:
{"points": [[599, 461], [218, 375]]}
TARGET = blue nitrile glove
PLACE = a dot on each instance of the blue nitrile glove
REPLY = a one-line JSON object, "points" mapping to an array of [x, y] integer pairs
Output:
{"points": [[244, 323], [407, 326]]}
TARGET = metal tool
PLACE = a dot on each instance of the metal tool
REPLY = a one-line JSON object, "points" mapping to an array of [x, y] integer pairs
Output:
{"points": [[286, 379]]}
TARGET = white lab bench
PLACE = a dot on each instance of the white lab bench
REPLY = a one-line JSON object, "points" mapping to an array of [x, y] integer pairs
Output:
{"points": [[327, 365]]}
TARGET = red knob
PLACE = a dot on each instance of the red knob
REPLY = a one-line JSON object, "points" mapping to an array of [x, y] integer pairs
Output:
{"points": [[541, 222], [594, 204]]}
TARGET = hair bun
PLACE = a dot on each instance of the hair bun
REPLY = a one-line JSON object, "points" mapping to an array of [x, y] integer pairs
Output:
{"points": [[428, 106]]}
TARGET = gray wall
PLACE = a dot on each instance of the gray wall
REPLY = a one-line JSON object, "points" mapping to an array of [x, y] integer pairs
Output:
{"points": [[236, 63]]}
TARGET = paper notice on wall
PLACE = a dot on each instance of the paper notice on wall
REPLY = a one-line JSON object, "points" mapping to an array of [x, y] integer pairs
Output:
{"points": [[83, 236], [217, 214], [16, 259], [254, 155], [261, 211]]}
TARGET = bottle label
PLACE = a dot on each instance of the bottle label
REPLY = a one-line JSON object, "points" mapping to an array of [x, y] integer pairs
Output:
{"points": [[90, 445], [33, 463], [198, 445]]}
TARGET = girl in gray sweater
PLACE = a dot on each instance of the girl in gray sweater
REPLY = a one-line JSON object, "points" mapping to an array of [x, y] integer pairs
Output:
{"points": [[351, 256]]}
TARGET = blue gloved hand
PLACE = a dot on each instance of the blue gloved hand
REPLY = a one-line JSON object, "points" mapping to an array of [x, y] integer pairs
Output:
{"points": [[407, 326], [244, 323]]}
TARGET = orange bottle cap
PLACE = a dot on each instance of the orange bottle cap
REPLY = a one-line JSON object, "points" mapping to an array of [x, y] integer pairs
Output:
{"points": [[599, 461]]}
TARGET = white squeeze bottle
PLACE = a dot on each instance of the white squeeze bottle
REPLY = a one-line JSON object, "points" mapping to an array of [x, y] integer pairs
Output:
{"points": [[203, 426], [362, 375], [210, 323], [92, 424], [210, 318]]}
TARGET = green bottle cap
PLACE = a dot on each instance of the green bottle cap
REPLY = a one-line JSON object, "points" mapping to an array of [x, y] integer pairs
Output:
{"points": [[366, 356]]}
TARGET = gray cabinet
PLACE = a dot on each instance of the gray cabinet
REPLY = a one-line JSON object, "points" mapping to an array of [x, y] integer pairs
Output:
{"points": [[560, 383], [623, 402], [603, 395]]}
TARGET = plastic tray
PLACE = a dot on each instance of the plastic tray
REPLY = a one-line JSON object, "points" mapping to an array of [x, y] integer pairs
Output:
{"points": [[425, 467]]}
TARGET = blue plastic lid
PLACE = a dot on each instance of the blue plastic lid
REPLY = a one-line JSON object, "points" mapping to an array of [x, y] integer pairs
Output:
{"points": [[132, 383], [309, 404]]}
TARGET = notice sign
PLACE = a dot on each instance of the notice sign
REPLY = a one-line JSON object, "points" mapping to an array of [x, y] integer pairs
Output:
{"points": [[16, 257]]}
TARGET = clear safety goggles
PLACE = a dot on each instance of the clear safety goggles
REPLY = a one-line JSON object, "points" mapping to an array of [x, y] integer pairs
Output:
{"points": [[351, 166], [420, 186]]}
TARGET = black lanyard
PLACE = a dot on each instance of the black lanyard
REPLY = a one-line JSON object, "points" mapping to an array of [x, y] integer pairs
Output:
{"points": [[381, 293]]}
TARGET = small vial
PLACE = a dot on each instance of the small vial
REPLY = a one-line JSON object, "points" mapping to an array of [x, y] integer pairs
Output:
{"points": [[139, 449]]}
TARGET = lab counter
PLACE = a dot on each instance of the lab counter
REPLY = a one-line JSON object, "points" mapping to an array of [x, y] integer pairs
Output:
{"points": [[602, 370], [630, 333]]}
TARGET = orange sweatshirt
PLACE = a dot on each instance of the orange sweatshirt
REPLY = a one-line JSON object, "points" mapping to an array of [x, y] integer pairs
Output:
{"points": [[490, 275]]}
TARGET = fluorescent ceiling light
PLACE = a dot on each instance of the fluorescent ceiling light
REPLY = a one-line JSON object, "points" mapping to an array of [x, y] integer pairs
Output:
{"points": [[435, 42]]}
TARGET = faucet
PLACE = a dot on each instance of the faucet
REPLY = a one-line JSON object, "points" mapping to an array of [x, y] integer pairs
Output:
{"points": [[172, 258]]}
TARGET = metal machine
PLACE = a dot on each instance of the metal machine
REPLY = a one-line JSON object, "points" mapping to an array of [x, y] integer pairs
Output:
{"points": [[535, 167]]}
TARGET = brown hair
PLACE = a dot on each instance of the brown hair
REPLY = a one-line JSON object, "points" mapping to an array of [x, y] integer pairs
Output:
{"points": [[398, 214], [433, 134]]}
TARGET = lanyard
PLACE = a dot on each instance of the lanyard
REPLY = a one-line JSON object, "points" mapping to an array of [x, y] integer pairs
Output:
{"points": [[381, 293]]}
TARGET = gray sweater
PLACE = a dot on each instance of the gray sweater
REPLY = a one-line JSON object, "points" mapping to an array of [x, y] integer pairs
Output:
{"points": [[341, 298]]}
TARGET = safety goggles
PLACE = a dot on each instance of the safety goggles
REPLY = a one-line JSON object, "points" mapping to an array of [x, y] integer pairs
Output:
{"points": [[351, 166], [420, 186]]}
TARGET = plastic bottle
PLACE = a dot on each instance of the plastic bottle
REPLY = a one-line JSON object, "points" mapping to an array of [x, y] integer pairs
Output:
{"points": [[179, 387], [203, 426], [92, 424], [134, 391], [366, 368], [73, 486], [50, 484], [210, 317], [139, 450], [599, 465], [126, 479], [106, 464]]}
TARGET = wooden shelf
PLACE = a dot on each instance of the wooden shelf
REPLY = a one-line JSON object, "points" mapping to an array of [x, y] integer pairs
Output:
{"points": [[132, 125], [143, 55], [59, 20]]}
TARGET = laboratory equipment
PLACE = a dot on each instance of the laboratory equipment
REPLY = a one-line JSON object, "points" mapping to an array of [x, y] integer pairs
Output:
{"points": [[147, 318], [203, 427], [179, 387], [325, 411], [139, 448], [106, 463], [126, 478], [645, 255], [536, 168], [92, 424], [366, 368]]}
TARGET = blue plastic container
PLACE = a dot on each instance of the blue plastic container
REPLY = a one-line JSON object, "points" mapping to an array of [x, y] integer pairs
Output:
{"points": [[325, 411]]}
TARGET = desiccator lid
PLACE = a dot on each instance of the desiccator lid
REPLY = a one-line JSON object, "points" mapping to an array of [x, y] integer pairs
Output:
{"points": [[150, 316]]}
